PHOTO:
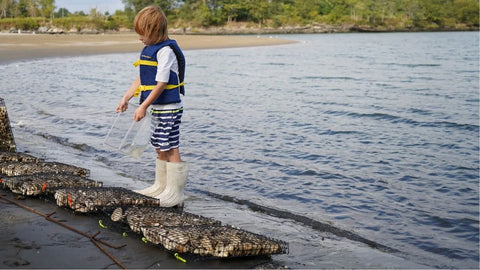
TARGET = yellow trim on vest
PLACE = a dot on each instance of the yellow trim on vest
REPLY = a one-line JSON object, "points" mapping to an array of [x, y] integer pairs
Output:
{"points": [[166, 111], [142, 88], [172, 86], [145, 63]]}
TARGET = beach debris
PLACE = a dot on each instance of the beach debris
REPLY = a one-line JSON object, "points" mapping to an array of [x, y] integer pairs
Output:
{"points": [[141, 216], [179, 258], [13, 168], [100, 223], [45, 183], [217, 241], [87, 200], [7, 142]]}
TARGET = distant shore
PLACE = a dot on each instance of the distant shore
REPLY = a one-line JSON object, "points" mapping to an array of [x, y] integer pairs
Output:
{"points": [[15, 47], [317, 28]]}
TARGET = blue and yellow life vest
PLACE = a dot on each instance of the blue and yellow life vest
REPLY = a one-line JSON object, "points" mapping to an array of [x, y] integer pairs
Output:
{"points": [[148, 70]]}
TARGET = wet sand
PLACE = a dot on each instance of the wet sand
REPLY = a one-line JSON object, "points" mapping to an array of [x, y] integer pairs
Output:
{"points": [[15, 47]]}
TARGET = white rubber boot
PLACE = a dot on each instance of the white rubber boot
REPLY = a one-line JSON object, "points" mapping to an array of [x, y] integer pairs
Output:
{"points": [[177, 173], [160, 180]]}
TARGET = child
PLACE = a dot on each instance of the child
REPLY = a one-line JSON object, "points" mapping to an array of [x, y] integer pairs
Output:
{"points": [[162, 69]]}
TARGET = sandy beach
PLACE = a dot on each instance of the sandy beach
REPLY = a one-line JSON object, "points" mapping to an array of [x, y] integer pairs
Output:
{"points": [[15, 47]]}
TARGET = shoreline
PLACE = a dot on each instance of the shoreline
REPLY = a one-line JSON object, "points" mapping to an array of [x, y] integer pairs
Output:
{"points": [[319, 28], [15, 47]]}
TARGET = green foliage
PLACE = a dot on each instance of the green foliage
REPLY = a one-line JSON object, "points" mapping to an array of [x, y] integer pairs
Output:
{"points": [[123, 18], [62, 12], [27, 24], [84, 22], [466, 11]]}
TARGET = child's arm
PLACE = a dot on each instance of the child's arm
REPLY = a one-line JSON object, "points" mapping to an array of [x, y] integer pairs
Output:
{"points": [[123, 104], [156, 92]]}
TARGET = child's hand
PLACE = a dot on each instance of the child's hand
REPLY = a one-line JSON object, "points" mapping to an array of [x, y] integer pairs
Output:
{"points": [[122, 106], [139, 113]]}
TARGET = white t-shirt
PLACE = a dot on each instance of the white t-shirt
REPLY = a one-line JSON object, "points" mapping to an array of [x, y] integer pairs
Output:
{"points": [[166, 61]]}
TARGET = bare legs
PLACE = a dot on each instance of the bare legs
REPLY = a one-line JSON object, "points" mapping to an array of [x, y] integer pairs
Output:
{"points": [[172, 155]]}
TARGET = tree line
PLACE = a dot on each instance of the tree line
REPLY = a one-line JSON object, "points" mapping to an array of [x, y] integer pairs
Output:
{"points": [[277, 13], [263, 14]]}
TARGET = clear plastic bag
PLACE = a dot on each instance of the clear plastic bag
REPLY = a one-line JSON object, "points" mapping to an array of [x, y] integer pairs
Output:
{"points": [[127, 135]]}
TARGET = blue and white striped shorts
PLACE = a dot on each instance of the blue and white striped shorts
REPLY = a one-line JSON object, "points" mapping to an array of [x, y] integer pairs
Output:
{"points": [[165, 129]]}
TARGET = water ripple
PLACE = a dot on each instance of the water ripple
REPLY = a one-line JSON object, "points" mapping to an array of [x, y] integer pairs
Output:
{"points": [[380, 141]]}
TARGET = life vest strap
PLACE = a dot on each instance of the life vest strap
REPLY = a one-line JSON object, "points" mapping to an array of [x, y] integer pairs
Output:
{"points": [[145, 63], [142, 88]]}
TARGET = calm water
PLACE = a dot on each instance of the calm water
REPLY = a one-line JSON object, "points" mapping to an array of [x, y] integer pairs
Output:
{"points": [[377, 134]]}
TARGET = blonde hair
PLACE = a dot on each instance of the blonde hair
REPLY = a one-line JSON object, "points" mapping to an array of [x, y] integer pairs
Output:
{"points": [[151, 23]]}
